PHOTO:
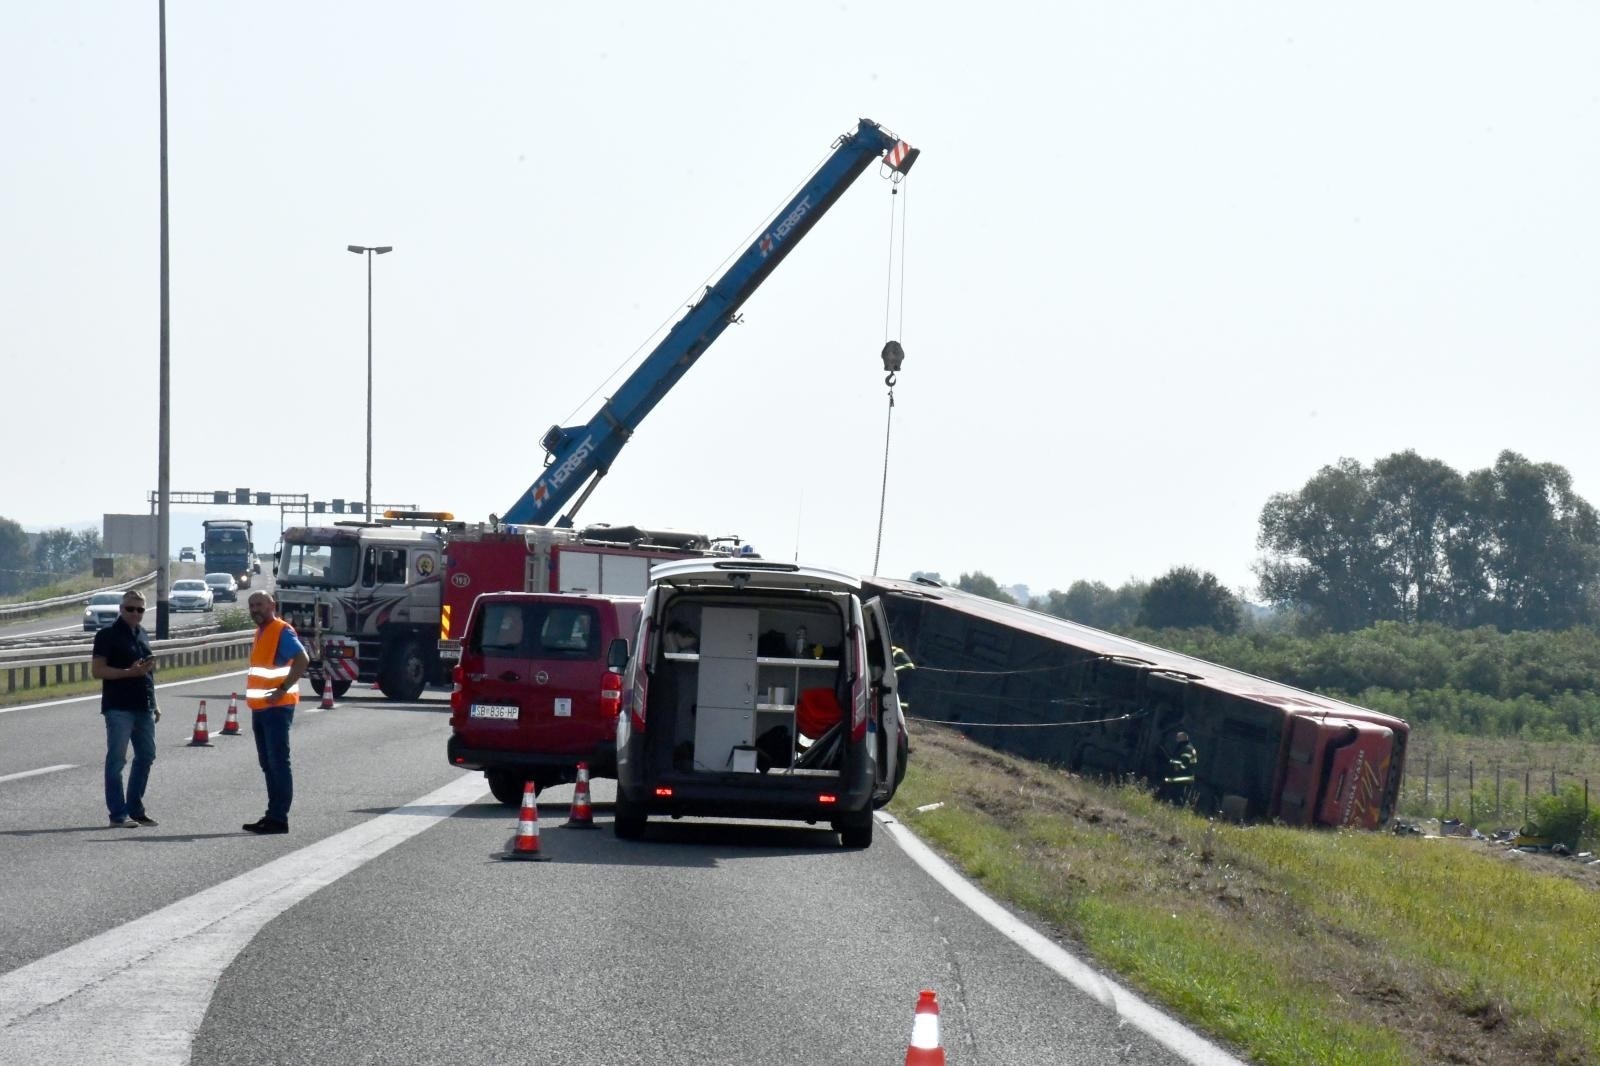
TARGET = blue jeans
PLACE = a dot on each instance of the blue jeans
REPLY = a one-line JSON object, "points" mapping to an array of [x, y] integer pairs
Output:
{"points": [[121, 726], [271, 729]]}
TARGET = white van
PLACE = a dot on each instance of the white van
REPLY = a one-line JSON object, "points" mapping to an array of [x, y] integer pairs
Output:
{"points": [[759, 690]]}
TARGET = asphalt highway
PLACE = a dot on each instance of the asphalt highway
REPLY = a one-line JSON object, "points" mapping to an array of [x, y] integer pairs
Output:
{"points": [[384, 929]]}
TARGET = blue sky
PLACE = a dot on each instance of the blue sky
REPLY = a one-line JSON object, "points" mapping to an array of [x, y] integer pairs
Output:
{"points": [[1162, 261]]}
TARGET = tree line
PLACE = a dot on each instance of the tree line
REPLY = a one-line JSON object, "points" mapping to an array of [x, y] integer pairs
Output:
{"points": [[26, 565], [1407, 539]]}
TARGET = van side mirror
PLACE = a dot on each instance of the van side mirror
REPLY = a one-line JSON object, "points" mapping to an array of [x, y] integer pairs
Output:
{"points": [[617, 655]]}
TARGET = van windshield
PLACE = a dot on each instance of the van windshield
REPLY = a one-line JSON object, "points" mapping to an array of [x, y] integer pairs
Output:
{"points": [[537, 631]]}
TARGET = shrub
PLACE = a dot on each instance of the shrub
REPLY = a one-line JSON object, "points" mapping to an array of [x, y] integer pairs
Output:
{"points": [[1564, 817]]}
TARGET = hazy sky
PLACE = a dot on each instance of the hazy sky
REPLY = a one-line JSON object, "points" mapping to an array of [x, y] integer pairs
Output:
{"points": [[1162, 260]]}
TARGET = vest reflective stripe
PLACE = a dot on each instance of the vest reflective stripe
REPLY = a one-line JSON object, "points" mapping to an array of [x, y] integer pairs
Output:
{"points": [[265, 675]]}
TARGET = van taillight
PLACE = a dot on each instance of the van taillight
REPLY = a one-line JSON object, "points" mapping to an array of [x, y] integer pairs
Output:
{"points": [[611, 694], [458, 699]]}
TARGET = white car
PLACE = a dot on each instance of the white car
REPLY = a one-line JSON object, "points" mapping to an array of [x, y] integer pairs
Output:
{"points": [[190, 594], [101, 609]]}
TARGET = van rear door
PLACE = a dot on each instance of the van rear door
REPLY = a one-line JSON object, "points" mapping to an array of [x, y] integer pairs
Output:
{"points": [[543, 663], [886, 716]]}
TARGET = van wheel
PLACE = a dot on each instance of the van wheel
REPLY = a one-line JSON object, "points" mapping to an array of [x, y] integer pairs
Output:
{"points": [[405, 673], [507, 787], [855, 832], [627, 821]]}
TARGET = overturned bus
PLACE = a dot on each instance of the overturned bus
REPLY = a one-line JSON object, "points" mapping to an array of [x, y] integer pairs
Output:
{"points": [[1044, 688]]}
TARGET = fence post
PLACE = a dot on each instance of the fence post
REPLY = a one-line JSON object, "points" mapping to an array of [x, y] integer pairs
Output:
{"points": [[1497, 791], [1552, 780], [1426, 759], [1472, 795], [1447, 786], [1527, 787]]}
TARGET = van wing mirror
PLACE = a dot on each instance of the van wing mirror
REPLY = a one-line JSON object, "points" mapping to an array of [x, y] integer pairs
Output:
{"points": [[617, 655]]}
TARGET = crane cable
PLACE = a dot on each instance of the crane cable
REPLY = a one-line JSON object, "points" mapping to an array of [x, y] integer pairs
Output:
{"points": [[889, 378]]}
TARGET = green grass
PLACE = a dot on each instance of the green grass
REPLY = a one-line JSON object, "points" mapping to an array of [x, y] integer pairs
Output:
{"points": [[1295, 946], [72, 584]]}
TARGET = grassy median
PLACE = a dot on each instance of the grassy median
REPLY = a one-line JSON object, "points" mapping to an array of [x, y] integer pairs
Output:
{"points": [[1295, 946]]}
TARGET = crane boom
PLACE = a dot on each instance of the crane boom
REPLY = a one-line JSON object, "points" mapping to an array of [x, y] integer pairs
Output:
{"points": [[581, 455]]}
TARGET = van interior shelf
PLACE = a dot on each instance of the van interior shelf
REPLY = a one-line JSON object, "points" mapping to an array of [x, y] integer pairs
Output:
{"points": [[763, 660]]}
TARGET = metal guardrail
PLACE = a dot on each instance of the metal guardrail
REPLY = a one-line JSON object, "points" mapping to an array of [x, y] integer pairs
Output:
{"points": [[21, 673], [23, 610]]}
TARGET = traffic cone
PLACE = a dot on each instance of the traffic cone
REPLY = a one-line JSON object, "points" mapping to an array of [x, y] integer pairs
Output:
{"points": [[580, 814], [202, 733], [230, 728], [327, 694], [925, 1049], [525, 845]]}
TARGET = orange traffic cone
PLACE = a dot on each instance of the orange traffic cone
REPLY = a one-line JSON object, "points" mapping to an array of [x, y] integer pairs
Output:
{"points": [[924, 1049], [230, 728], [525, 845], [202, 733], [581, 814], [327, 694]]}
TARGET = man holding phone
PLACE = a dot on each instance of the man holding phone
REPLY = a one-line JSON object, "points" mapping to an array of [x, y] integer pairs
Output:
{"points": [[126, 668]]}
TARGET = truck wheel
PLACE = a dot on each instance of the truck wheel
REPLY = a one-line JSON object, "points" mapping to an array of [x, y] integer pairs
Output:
{"points": [[855, 832], [507, 786], [627, 821], [405, 674], [339, 688]]}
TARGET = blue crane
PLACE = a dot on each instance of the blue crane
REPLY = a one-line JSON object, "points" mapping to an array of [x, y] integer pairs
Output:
{"points": [[576, 455]]}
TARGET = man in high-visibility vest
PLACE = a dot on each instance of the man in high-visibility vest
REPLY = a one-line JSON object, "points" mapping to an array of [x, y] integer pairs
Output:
{"points": [[277, 661]]}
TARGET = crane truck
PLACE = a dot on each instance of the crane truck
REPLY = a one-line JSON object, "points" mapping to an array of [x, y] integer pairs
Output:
{"points": [[402, 630]]}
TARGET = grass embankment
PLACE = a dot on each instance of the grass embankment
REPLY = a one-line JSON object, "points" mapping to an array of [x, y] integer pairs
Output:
{"points": [[1297, 946], [123, 569]]}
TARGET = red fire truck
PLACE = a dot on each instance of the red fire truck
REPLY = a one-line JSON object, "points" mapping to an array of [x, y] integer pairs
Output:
{"points": [[610, 560]]}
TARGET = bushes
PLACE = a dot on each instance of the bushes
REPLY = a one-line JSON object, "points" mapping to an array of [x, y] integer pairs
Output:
{"points": [[1539, 685], [1565, 818]]}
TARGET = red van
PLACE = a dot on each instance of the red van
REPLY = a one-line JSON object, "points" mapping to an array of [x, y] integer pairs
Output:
{"points": [[539, 686]]}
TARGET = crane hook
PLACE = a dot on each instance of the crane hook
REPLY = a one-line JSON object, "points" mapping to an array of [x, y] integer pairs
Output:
{"points": [[894, 356]]}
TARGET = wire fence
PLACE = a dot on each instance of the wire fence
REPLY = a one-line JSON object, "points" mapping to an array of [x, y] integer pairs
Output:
{"points": [[1483, 793]]}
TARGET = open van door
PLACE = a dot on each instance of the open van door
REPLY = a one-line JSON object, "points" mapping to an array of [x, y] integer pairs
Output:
{"points": [[886, 718]]}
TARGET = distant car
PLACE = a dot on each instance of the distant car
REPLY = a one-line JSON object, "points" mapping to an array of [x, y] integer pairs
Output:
{"points": [[101, 609], [224, 588], [186, 555], [190, 594]]}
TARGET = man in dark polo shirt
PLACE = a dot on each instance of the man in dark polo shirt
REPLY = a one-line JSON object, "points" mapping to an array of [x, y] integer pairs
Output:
{"points": [[126, 668]]}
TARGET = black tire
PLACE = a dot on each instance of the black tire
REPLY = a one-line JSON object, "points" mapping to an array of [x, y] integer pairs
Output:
{"points": [[405, 672], [316, 686], [339, 689], [627, 821], [855, 832], [507, 786]]}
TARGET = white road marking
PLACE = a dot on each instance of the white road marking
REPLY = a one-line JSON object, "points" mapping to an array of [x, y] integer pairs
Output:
{"points": [[1160, 1027], [96, 695], [35, 773], [138, 993]]}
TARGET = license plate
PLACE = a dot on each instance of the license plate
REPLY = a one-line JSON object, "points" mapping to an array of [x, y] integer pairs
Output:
{"points": [[494, 710]]}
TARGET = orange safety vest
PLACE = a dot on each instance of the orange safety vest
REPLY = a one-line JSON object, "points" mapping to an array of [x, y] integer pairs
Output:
{"points": [[265, 675]]}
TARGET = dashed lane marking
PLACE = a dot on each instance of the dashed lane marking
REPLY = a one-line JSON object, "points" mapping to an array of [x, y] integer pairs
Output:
{"points": [[36, 773]]}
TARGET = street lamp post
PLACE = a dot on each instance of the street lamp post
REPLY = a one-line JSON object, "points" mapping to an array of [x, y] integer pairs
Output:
{"points": [[361, 249]]}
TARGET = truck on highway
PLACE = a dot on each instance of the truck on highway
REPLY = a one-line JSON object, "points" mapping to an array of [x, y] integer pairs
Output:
{"points": [[228, 548], [384, 601], [364, 598]]}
